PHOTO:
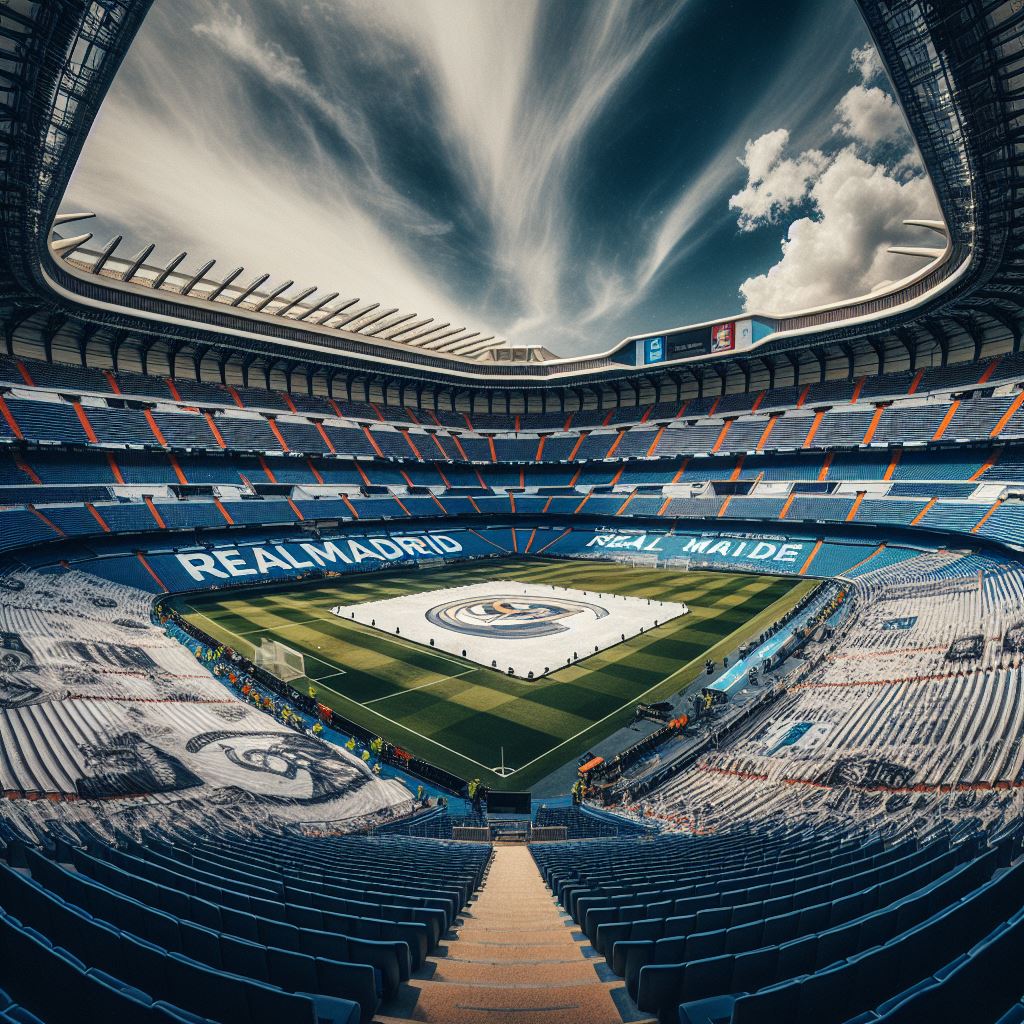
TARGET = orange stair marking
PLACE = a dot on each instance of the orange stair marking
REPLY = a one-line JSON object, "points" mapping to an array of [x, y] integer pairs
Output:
{"points": [[803, 396], [873, 425], [914, 384], [10, 420], [897, 454], [437, 502], [53, 526], [87, 426], [785, 507], [529, 543], [566, 531], [515, 542], [517, 423], [1008, 415], [276, 431], [476, 507], [412, 416], [857, 389], [398, 502], [295, 508], [664, 505], [373, 443], [586, 498], [855, 506], [157, 518], [154, 428], [576, 446], [323, 434], [725, 505], [480, 479], [406, 478], [618, 473], [350, 506], [149, 569], [380, 415], [826, 464], [173, 388], [647, 413], [458, 444], [95, 514], [714, 405], [681, 470], [236, 397], [288, 401], [224, 512], [721, 436], [615, 444], [214, 430], [763, 439], [540, 448], [815, 423], [437, 442], [415, 450], [920, 515], [26, 469], [946, 420], [575, 477], [440, 473], [114, 468], [178, 471], [625, 504], [654, 443], [25, 375], [267, 470], [112, 381], [737, 469], [608, 418], [984, 519], [469, 422], [490, 445], [758, 401], [810, 558], [989, 370], [864, 561], [568, 422], [992, 459], [337, 408]]}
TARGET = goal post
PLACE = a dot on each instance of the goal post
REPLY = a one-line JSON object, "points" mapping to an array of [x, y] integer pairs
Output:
{"points": [[280, 660]]}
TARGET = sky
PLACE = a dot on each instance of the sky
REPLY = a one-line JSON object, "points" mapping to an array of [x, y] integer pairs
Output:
{"points": [[556, 172]]}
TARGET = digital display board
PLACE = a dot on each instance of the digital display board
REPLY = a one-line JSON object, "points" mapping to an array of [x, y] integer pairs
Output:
{"points": [[654, 350]]}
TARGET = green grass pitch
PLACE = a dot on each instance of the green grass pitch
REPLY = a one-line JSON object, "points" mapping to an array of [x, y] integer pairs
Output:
{"points": [[458, 715]]}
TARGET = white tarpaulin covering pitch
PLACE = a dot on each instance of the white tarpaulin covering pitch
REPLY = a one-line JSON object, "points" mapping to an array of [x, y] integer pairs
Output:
{"points": [[527, 629]]}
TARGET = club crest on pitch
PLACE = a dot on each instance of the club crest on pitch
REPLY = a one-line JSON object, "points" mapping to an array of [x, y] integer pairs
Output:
{"points": [[510, 617]]}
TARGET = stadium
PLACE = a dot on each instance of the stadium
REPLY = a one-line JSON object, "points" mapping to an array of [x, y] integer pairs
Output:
{"points": [[354, 666]]}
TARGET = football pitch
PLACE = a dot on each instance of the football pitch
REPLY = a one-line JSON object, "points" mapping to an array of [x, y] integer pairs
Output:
{"points": [[470, 719]]}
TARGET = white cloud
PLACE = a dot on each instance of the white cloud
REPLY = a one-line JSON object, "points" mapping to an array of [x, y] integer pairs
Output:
{"points": [[872, 118], [866, 62], [775, 184], [857, 199], [840, 251]]}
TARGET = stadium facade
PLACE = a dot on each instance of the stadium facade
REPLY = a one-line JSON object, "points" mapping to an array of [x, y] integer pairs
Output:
{"points": [[840, 841]]}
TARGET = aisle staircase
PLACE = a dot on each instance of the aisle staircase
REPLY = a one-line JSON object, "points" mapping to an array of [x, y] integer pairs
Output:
{"points": [[515, 958]]}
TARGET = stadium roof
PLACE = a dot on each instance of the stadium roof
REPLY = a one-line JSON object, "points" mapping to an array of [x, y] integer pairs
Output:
{"points": [[952, 68]]}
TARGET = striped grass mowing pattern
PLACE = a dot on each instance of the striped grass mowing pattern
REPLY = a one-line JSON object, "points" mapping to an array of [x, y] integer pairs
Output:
{"points": [[459, 715]]}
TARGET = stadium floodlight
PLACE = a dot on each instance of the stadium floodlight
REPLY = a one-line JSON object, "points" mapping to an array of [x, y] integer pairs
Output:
{"points": [[279, 660]]}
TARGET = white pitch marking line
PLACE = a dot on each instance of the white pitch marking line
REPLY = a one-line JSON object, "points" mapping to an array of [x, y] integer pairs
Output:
{"points": [[433, 682]]}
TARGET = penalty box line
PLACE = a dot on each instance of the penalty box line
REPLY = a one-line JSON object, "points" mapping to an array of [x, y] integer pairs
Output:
{"points": [[338, 670]]}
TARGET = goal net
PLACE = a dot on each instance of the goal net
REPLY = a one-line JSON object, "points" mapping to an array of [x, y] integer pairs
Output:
{"points": [[279, 660]]}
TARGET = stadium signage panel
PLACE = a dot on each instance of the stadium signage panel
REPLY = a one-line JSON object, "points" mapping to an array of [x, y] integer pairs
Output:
{"points": [[287, 559], [784, 552]]}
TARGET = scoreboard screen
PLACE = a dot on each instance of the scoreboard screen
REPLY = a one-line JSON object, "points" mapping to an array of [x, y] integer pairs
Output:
{"points": [[728, 336]]}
